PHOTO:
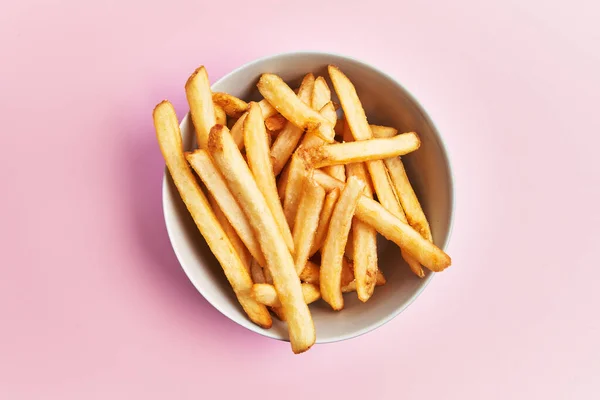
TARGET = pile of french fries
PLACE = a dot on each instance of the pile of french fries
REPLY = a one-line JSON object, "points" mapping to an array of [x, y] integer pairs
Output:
{"points": [[290, 198]]}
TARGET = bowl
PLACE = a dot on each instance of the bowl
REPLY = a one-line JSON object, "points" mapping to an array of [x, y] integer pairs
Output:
{"points": [[386, 102]]}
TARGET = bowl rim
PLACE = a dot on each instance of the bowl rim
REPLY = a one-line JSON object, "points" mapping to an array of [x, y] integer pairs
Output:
{"points": [[451, 198]]}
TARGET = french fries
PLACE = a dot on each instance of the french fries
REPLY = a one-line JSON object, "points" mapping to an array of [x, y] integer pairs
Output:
{"points": [[330, 200], [293, 189], [229, 230], [307, 221], [311, 274], [278, 258], [257, 151], [364, 150], [275, 122], [169, 140], [356, 122], [276, 92], [364, 242], [232, 106], [268, 210], [407, 197], [199, 96], [288, 138], [392, 228], [202, 163], [335, 243], [220, 116], [267, 295]]}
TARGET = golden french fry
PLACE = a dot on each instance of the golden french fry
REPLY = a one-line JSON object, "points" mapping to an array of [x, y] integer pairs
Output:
{"points": [[332, 253], [410, 203], [259, 160], [220, 116], [290, 135], [279, 260], [321, 94], [363, 150], [202, 163], [352, 286], [356, 122], [392, 228], [293, 189], [279, 94], [232, 106], [364, 242], [312, 140], [311, 273], [337, 171], [237, 131], [380, 131], [275, 122], [169, 140], [267, 295], [257, 272], [266, 108], [307, 221], [229, 230], [330, 200], [199, 96]]}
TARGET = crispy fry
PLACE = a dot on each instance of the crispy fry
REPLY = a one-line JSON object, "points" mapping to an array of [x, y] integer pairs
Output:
{"points": [[380, 131], [364, 150], [293, 189], [410, 203], [266, 108], [275, 122], [321, 94], [237, 131], [337, 171], [259, 160], [217, 186], [311, 273], [335, 243], [290, 135], [199, 96], [276, 92], [169, 140], [267, 295], [220, 116], [312, 140], [330, 200], [257, 272], [392, 228], [364, 242], [307, 221], [279, 260], [240, 247], [232, 106], [356, 122]]}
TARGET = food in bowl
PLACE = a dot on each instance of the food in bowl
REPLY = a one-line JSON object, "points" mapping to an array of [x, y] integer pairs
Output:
{"points": [[295, 195]]}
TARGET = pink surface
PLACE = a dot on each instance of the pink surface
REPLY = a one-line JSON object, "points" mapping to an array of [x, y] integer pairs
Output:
{"points": [[93, 303]]}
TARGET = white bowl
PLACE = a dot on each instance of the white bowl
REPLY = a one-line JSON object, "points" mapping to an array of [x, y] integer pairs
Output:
{"points": [[386, 102]]}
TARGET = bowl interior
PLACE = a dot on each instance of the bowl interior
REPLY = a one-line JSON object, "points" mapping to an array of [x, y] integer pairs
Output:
{"points": [[385, 103]]}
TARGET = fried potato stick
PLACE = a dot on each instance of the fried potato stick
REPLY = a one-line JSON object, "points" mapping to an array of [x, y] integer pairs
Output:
{"points": [[169, 140], [199, 96], [267, 295], [279, 260], [332, 253], [307, 221], [392, 228], [259, 160]]}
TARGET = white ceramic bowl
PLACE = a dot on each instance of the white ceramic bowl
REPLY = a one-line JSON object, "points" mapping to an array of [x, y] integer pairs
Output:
{"points": [[386, 102]]}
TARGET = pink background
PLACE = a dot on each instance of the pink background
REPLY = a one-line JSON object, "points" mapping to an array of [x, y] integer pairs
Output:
{"points": [[93, 303]]}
